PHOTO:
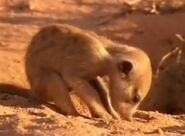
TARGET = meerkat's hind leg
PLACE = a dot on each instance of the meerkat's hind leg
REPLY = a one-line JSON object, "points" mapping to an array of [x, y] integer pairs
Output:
{"points": [[91, 97], [51, 87]]}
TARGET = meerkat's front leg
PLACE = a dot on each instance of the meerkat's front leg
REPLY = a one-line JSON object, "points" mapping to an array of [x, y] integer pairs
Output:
{"points": [[103, 91], [90, 96]]}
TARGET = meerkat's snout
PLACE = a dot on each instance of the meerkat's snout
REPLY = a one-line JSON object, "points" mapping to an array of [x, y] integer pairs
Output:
{"points": [[127, 111], [127, 107]]}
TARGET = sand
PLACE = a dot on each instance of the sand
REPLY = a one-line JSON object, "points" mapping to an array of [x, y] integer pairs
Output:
{"points": [[156, 27]]}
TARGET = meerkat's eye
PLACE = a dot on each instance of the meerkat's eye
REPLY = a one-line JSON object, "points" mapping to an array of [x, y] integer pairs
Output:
{"points": [[136, 98], [125, 67]]}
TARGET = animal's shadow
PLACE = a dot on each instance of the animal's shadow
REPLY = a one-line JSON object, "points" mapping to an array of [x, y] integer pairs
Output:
{"points": [[15, 96]]}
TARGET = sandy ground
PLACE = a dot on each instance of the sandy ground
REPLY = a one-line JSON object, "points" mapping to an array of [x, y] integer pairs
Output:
{"points": [[156, 27]]}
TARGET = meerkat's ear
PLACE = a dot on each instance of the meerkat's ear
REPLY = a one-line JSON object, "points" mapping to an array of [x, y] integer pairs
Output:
{"points": [[125, 66]]}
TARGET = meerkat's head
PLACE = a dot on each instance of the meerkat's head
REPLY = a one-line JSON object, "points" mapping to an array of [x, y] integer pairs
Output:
{"points": [[131, 83]]}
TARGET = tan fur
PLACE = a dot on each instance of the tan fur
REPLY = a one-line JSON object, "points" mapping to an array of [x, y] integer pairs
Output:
{"points": [[63, 57], [137, 82]]}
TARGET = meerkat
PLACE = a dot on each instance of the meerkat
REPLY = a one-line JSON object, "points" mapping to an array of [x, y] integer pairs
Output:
{"points": [[63, 57], [167, 91]]}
